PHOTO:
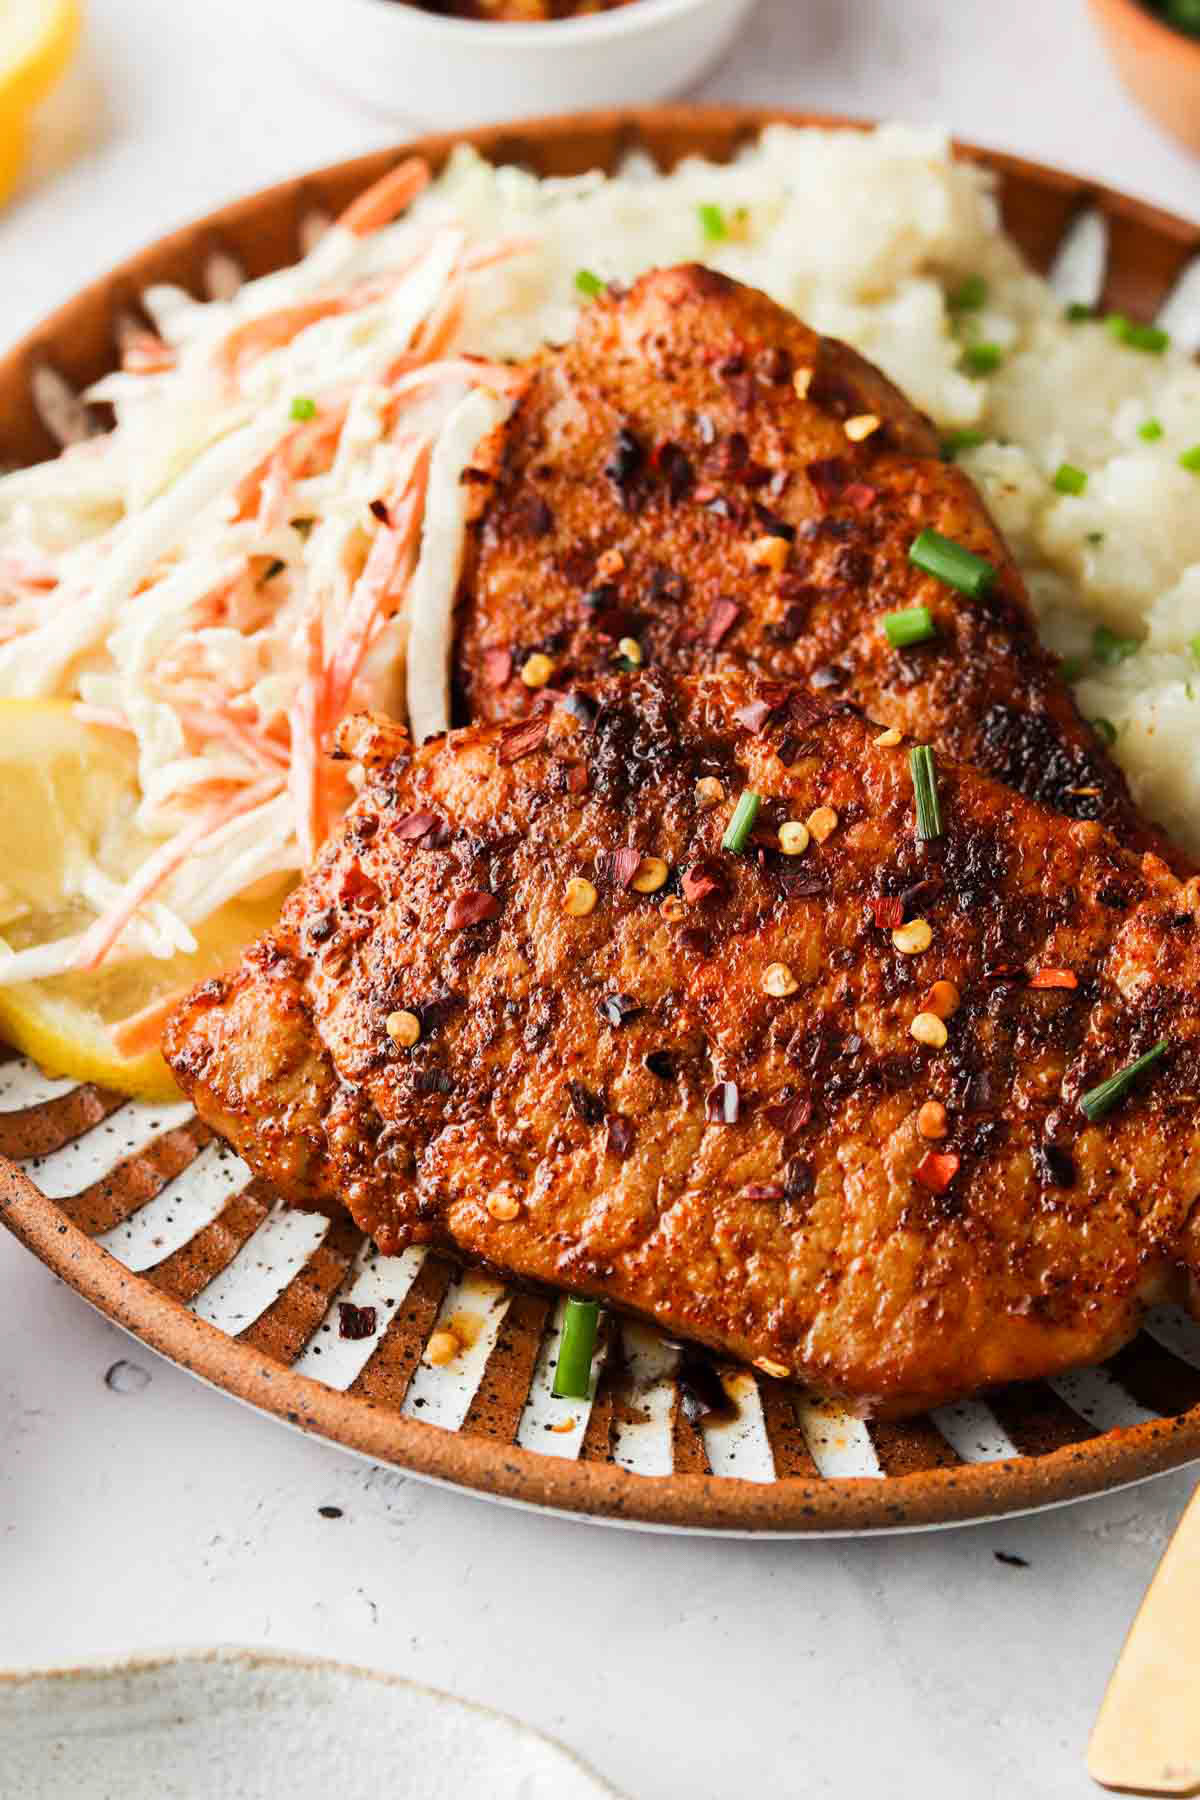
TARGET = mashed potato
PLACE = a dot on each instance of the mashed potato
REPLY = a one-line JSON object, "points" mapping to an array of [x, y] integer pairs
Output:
{"points": [[870, 237]]}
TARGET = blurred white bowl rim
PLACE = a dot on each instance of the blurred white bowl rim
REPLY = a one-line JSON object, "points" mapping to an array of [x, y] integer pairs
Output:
{"points": [[411, 66]]}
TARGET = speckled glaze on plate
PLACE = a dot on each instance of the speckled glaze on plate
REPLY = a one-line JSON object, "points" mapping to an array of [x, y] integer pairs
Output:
{"points": [[246, 1726], [164, 1230]]}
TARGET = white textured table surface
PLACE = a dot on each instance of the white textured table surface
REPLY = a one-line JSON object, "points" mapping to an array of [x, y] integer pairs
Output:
{"points": [[919, 1666]]}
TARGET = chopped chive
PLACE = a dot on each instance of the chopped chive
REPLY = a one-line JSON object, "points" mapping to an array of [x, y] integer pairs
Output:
{"points": [[1100, 1100], [1072, 668], [950, 562], [1105, 730], [923, 770], [1076, 311], [573, 1371], [588, 283], [1137, 337], [304, 408], [1070, 480], [969, 295], [1110, 648], [1151, 431], [967, 439], [912, 626], [1194, 646], [1190, 460], [713, 221], [742, 822], [981, 359]]}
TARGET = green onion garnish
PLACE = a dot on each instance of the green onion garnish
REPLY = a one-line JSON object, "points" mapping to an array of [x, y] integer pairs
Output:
{"points": [[303, 408], [1070, 480], [1194, 646], [573, 1371], [1109, 648], [1100, 1100], [742, 822], [1105, 730], [970, 294], [981, 359], [713, 221], [923, 770], [954, 441], [1138, 337], [1077, 311], [1151, 431], [1072, 668], [950, 562], [1190, 460], [912, 626], [588, 283]]}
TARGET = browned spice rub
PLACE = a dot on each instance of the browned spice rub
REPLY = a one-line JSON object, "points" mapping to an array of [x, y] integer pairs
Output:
{"points": [[703, 1097], [701, 474]]}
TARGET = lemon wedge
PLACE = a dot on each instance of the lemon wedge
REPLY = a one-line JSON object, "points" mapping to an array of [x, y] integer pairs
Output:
{"points": [[37, 39], [68, 792]]}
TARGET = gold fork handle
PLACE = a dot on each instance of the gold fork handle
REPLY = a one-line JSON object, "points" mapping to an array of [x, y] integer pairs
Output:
{"points": [[1147, 1737]]}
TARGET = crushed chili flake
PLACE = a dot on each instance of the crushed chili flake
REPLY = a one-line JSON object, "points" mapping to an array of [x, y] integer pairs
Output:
{"points": [[723, 616], [497, 667], [888, 911], [618, 866], [791, 1115], [755, 715], [666, 585], [1054, 978], [773, 523], [829, 476], [803, 887], [860, 496], [626, 462], [470, 908], [379, 510], [672, 462], [764, 1190], [721, 1103], [520, 739], [414, 825], [355, 1321], [937, 1169], [798, 1178], [616, 1008], [621, 1134], [662, 1064], [588, 1107], [577, 778], [699, 882]]}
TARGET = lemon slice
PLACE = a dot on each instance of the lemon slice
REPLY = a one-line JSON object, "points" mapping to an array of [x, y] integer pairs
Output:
{"points": [[67, 793], [37, 38]]}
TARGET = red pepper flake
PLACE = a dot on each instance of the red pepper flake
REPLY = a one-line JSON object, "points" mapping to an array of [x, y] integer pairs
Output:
{"points": [[380, 511], [723, 617], [470, 908], [699, 882], [577, 778], [937, 1169], [587, 1106], [355, 1321], [860, 496], [790, 1116], [414, 825], [518, 740], [754, 716], [829, 476], [1054, 978], [764, 1190], [497, 667], [616, 1008], [888, 911], [621, 1134], [618, 866], [721, 1103]]}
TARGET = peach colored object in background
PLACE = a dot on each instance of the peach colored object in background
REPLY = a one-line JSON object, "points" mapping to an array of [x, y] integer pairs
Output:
{"points": [[1158, 64]]}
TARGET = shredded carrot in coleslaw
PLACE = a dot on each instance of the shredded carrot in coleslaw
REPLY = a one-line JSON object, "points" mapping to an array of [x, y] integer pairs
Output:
{"points": [[230, 635]]}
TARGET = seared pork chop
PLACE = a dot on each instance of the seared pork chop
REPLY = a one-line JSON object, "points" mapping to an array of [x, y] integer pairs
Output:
{"points": [[730, 1090], [699, 475]]}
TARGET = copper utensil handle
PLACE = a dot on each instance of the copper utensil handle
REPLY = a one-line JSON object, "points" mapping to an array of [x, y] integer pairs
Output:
{"points": [[1147, 1737]]}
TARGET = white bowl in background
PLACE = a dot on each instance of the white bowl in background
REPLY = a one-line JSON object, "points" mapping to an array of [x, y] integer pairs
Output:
{"points": [[406, 64]]}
